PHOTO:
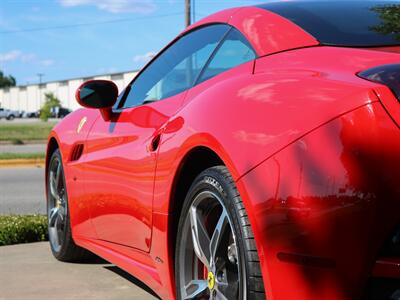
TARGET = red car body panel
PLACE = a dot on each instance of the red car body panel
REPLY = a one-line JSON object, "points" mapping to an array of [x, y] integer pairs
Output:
{"points": [[312, 148], [325, 204], [122, 168], [266, 31]]}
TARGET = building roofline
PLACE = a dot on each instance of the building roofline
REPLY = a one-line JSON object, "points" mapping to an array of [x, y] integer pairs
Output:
{"points": [[75, 78]]}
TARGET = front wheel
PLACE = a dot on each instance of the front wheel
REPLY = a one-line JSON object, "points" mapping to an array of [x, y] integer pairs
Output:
{"points": [[60, 237], [216, 257]]}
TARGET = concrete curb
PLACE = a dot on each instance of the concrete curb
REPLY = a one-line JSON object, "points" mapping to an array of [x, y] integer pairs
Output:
{"points": [[20, 163]]}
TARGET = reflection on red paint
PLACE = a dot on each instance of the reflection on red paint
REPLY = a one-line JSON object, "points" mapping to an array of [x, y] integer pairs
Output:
{"points": [[311, 147]]}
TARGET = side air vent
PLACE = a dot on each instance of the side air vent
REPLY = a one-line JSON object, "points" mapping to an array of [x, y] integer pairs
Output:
{"points": [[76, 153]]}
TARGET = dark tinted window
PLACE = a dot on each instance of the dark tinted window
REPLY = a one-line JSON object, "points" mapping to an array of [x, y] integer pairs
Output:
{"points": [[176, 69], [234, 51], [344, 23]]}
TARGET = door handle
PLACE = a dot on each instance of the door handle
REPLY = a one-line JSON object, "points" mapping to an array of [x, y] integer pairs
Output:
{"points": [[155, 142]]}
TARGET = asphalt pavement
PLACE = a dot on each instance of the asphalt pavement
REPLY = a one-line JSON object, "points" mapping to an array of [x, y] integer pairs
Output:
{"points": [[29, 272], [22, 191], [28, 148]]}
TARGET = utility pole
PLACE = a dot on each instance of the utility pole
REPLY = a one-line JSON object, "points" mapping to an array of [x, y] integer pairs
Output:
{"points": [[40, 75], [187, 13], [193, 11], [39, 100], [189, 62]]}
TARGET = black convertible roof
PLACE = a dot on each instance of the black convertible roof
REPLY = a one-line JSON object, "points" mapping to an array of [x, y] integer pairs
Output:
{"points": [[365, 23]]}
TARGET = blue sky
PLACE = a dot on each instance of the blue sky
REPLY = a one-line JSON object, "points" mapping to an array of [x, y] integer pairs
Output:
{"points": [[93, 36]]}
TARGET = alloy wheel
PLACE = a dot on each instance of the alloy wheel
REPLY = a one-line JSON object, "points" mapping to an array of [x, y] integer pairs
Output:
{"points": [[211, 268], [57, 204]]}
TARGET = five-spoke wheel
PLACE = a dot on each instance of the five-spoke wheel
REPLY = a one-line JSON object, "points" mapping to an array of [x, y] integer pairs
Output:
{"points": [[57, 204], [210, 253], [210, 256], [61, 241]]}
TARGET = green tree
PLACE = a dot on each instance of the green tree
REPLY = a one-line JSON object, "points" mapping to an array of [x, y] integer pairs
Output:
{"points": [[51, 102], [6, 81], [390, 19]]}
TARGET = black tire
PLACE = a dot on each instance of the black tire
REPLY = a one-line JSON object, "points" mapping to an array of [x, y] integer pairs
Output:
{"points": [[219, 181], [67, 251], [10, 117]]}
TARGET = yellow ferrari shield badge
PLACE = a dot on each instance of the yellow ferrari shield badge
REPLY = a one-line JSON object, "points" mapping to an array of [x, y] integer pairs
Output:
{"points": [[81, 124], [210, 280]]}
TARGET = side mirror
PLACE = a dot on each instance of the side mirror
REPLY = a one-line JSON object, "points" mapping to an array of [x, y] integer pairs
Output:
{"points": [[100, 94]]}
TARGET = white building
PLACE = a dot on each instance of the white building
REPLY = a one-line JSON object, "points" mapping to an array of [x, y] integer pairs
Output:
{"points": [[31, 97]]}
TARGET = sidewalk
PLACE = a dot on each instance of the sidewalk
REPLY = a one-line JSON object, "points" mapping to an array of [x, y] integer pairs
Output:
{"points": [[29, 271]]}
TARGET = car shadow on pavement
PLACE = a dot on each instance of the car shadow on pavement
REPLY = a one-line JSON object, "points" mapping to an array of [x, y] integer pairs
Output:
{"points": [[131, 278], [92, 259], [97, 260]]}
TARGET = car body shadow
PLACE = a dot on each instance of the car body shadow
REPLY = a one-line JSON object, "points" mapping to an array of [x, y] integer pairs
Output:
{"points": [[131, 279]]}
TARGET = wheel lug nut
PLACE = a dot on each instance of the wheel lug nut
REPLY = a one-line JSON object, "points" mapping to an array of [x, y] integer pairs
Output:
{"points": [[232, 253], [221, 276]]}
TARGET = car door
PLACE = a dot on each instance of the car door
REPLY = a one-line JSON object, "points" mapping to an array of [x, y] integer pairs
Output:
{"points": [[121, 153]]}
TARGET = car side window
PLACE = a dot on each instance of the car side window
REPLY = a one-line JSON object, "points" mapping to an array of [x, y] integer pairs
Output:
{"points": [[177, 68], [234, 51]]}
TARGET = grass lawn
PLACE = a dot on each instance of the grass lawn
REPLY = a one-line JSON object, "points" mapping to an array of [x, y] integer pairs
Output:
{"points": [[17, 229], [25, 132], [8, 155]]}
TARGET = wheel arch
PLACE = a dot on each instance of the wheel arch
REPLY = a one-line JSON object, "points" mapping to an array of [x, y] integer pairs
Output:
{"points": [[193, 163], [52, 146]]}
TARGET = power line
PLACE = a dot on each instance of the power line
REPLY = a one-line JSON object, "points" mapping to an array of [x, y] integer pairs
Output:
{"points": [[89, 23]]}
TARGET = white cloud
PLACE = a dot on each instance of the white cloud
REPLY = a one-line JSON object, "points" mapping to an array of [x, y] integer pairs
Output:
{"points": [[10, 56], [25, 58], [115, 6], [28, 57], [46, 62], [144, 58]]}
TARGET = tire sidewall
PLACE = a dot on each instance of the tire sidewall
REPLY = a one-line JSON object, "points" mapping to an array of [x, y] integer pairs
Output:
{"points": [[67, 231]]}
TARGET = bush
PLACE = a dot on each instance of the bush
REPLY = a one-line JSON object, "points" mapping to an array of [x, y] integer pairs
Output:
{"points": [[17, 229], [51, 102], [16, 142]]}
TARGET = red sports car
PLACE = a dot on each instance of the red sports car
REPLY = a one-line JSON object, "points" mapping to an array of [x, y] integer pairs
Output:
{"points": [[256, 156]]}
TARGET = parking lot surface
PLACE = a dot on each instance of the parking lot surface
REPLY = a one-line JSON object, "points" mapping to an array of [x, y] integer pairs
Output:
{"points": [[29, 271]]}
